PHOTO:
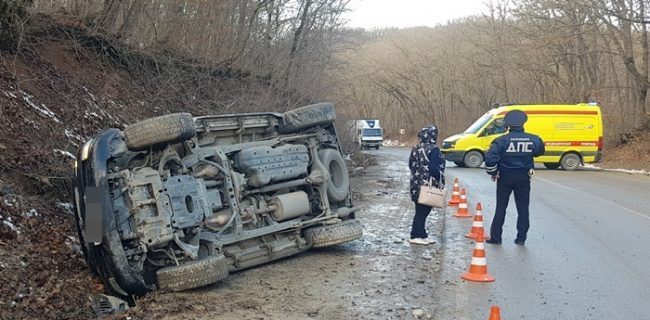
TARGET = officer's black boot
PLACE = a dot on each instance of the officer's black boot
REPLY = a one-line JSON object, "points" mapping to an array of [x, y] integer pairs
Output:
{"points": [[520, 240]]}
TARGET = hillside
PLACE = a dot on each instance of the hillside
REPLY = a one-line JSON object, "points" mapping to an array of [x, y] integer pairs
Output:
{"points": [[60, 89]]}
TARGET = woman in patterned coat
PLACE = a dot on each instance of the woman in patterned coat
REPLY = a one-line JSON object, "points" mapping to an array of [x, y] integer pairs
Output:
{"points": [[425, 161]]}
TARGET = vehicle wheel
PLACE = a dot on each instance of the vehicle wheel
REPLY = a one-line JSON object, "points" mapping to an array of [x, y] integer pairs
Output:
{"points": [[551, 165], [342, 232], [168, 128], [338, 187], [473, 159], [460, 164], [570, 161], [308, 116], [193, 275]]}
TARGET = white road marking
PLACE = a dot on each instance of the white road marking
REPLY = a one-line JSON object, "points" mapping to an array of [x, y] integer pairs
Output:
{"points": [[600, 199]]}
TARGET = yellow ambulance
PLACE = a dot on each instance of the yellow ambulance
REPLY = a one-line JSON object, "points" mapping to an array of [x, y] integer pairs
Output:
{"points": [[572, 134]]}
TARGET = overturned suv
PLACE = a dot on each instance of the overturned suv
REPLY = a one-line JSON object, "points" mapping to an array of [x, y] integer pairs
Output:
{"points": [[177, 202]]}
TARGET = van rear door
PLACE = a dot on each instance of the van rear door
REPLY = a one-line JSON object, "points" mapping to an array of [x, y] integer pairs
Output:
{"points": [[579, 133]]}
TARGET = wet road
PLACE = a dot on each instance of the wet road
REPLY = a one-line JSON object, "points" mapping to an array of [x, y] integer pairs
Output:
{"points": [[586, 256]]}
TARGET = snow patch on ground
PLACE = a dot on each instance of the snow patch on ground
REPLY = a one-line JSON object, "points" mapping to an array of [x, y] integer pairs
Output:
{"points": [[65, 153], [9, 201], [628, 171], [43, 110], [72, 244], [90, 94], [66, 206], [33, 123], [32, 213], [393, 143], [72, 135], [7, 222], [89, 115]]}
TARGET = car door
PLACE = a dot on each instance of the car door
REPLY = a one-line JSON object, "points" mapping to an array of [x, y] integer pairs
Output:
{"points": [[492, 131]]}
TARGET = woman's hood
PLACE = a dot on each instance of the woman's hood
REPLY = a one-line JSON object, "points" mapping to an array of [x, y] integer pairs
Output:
{"points": [[428, 135]]}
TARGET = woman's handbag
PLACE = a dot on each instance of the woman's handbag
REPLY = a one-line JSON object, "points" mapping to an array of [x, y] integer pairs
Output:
{"points": [[432, 196]]}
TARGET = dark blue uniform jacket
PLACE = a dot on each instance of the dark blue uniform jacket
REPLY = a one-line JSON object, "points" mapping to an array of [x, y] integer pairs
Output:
{"points": [[513, 152]]}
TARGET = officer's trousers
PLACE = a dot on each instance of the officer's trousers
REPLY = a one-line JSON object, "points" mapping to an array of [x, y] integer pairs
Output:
{"points": [[519, 182]]}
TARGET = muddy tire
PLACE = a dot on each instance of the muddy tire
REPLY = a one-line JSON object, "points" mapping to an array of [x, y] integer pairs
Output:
{"points": [[326, 236], [168, 128], [319, 114], [338, 187], [193, 275]]}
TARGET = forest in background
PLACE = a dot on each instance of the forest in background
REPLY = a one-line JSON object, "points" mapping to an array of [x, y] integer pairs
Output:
{"points": [[526, 52], [252, 55]]}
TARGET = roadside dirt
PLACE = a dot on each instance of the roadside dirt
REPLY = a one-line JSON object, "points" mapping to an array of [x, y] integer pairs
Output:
{"points": [[633, 154]]}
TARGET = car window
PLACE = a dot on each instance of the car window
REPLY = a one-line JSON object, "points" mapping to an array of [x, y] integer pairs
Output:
{"points": [[498, 126], [478, 124], [372, 132]]}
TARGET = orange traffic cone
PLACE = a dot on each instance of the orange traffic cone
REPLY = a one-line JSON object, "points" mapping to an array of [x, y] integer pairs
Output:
{"points": [[455, 194], [478, 267], [462, 207], [477, 224], [495, 313]]}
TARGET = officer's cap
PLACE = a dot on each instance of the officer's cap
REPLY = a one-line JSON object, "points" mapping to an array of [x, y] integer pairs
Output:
{"points": [[515, 118]]}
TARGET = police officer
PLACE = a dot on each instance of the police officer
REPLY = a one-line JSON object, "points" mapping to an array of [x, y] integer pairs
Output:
{"points": [[510, 163]]}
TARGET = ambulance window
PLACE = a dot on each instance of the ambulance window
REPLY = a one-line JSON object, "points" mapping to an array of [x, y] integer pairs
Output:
{"points": [[478, 124], [497, 126]]}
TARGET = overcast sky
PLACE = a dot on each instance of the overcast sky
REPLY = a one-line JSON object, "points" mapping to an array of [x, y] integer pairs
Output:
{"points": [[409, 13]]}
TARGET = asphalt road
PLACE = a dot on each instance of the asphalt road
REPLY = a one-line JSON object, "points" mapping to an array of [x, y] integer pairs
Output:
{"points": [[586, 256]]}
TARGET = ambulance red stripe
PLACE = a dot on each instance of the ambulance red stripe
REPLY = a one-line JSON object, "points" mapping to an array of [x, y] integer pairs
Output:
{"points": [[571, 143]]}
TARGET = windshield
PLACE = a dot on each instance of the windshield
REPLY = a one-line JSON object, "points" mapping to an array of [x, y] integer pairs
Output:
{"points": [[372, 132], [478, 124]]}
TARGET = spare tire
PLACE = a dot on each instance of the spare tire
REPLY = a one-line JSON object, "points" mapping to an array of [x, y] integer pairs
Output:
{"points": [[338, 187], [308, 116], [168, 128]]}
